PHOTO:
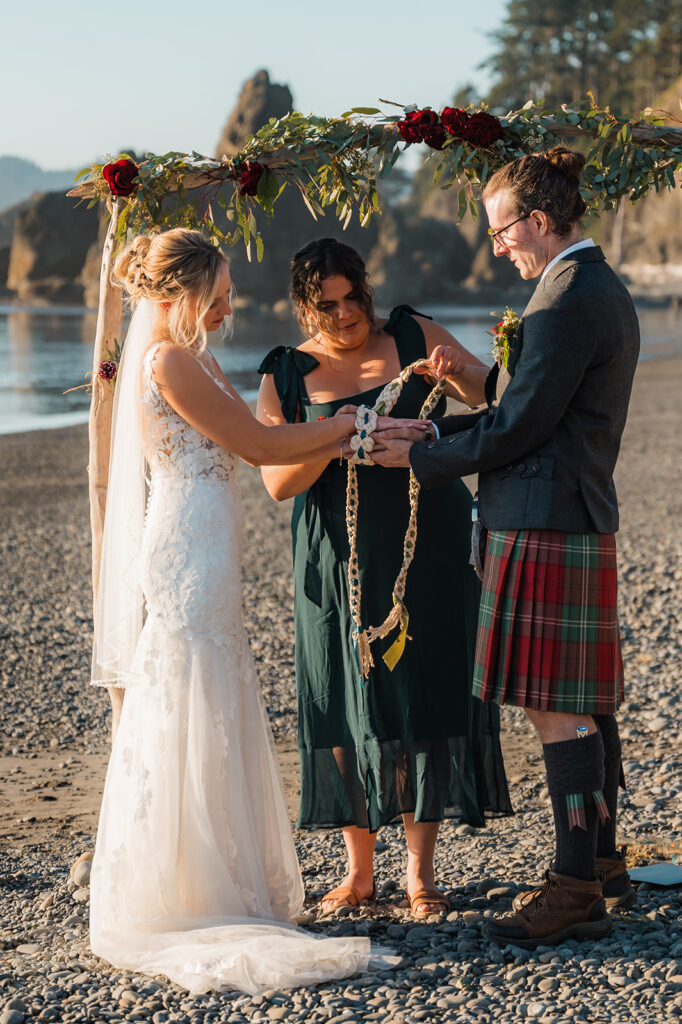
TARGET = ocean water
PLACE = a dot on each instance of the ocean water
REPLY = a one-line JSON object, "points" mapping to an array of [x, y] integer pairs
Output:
{"points": [[46, 350]]}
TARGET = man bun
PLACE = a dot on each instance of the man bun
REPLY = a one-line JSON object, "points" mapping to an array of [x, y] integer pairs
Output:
{"points": [[547, 181], [567, 161]]}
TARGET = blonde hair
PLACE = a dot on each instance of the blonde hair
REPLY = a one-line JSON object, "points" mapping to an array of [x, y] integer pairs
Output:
{"points": [[177, 266]]}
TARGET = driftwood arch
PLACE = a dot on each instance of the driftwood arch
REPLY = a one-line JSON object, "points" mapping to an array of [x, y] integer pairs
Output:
{"points": [[337, 162]]}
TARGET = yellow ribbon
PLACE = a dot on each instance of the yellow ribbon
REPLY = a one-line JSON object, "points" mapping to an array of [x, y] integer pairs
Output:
{"points": [[395, 652]]}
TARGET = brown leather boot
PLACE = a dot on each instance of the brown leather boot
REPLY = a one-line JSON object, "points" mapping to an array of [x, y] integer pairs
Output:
{"points": [[564, 908], [615, 882]]}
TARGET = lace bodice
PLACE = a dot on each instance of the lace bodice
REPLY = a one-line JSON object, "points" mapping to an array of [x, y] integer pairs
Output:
{"points": [[172, 447]]}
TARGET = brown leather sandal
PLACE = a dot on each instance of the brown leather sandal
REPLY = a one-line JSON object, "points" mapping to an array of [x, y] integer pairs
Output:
{"points": [[431, 896], [346, 896]]}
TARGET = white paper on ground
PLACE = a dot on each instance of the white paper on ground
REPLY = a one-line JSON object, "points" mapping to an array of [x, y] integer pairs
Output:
{"points": [[657, 874]]}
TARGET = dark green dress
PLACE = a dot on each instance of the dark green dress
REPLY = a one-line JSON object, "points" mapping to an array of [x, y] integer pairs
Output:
{"points": [[413, 739]]}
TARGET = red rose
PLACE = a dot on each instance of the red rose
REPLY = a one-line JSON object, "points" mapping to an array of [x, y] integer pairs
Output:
{"points": [[416, 124], [455, 121], [436, 137], [483, 129], [120, 177], [408, 131], [249, 176], [107, 370]]}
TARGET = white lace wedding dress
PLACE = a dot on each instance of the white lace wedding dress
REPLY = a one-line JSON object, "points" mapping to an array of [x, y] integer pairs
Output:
{"points": [[195, 874]]}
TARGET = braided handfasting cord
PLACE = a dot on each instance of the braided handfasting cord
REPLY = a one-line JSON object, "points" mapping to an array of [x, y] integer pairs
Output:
{"points": [[362, 444]]}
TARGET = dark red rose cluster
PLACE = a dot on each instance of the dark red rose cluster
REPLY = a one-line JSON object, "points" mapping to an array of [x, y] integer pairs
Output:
{"points": [[107, 370], [480, 130], [120, 177], [415, 125], [249, 176]]}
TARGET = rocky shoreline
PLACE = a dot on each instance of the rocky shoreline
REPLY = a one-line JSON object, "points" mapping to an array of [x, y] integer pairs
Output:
{"points": [[53, 751]]}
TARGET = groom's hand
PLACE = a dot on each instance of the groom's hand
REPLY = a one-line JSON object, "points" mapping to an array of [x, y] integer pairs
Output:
{"points": [[391, 453], [396, 432]]}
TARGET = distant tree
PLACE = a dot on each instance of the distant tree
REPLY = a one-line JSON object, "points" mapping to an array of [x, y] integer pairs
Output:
{"points": [[625, 52], [466, 94]]}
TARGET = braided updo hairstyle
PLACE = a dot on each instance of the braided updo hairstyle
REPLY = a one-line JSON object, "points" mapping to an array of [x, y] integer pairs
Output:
{"points": [[179, 267], [322, 258], [549, 182]]}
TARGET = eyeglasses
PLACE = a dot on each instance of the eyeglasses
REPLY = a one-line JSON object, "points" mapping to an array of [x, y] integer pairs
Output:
{"points": [[500, 231]]}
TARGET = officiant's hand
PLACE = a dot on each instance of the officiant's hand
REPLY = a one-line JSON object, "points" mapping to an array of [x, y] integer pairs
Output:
{"points": [[444, 361], [392, 454]]}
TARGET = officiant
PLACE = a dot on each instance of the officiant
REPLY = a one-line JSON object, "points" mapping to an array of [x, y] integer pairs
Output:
{"points": [[545, 450]]}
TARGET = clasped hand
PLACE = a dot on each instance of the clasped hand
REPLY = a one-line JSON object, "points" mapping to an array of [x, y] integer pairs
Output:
{"points": [[392, 437]]}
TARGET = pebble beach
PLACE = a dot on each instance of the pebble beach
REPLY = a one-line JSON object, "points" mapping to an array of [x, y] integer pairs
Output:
{"points": [[54, 746]]}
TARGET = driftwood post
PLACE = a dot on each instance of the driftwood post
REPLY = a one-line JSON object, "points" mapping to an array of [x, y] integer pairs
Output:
{"points": [[109, 317]]}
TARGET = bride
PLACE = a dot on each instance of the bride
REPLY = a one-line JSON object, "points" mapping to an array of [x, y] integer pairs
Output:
{"points": [[195, 874]]}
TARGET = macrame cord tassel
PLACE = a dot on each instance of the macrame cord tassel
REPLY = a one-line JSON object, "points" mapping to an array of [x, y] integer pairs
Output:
{"points": [[362, 444]]}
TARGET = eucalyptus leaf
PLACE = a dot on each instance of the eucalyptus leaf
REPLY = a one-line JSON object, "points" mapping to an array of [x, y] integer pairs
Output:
{"points": [[310, 206]]}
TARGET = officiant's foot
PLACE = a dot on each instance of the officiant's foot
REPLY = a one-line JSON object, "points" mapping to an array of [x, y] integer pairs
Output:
{"points": [[427, 900], [351, 893]]}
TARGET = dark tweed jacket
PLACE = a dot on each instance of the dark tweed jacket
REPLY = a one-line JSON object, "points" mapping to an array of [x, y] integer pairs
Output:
{"points": [[545, 453]]}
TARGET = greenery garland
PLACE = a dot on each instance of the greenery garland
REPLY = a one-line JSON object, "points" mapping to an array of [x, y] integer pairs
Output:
{"points": [[335, 163]]}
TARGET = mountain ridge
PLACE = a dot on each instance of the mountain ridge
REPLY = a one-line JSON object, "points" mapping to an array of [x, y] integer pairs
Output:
{"points": [[21, 178]]}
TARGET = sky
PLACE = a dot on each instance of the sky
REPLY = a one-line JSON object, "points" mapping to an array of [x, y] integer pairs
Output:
{"points": [[79, 80]]}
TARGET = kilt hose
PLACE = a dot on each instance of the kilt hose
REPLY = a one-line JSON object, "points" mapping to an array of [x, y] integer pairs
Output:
{"points": [[548, 624]]}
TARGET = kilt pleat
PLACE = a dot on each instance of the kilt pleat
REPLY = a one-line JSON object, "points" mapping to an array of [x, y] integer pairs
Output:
{"points": [[548, 633]]}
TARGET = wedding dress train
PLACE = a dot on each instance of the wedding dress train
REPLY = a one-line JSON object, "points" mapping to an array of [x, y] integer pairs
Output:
{"points": [[195, 874]]}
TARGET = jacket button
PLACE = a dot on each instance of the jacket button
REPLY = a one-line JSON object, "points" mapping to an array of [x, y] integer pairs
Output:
{"points": [[522, 466], [536, 468]]}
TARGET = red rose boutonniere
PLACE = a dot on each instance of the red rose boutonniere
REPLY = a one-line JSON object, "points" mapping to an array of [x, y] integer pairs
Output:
{"points": [[502, 334]]}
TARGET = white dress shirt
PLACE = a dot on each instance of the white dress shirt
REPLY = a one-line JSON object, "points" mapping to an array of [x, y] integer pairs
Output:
{"points": [[585, 244]]}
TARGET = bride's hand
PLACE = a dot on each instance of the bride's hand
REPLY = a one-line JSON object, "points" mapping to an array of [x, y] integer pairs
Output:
{"points": [[444, 361]]}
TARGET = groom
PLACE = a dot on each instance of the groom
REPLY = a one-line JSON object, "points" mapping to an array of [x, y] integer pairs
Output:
{"points": [[545, 450]]}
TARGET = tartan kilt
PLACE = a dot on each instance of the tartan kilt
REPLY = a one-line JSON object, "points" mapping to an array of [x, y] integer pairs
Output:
{"points": [[548, 624]]}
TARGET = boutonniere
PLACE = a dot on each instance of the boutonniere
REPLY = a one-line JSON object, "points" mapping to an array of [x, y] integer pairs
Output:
{"points": [[502, 334]]}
